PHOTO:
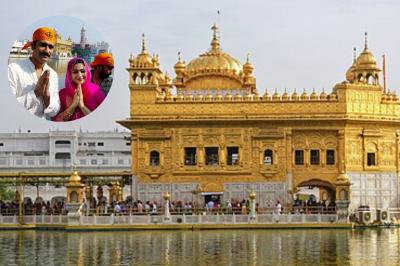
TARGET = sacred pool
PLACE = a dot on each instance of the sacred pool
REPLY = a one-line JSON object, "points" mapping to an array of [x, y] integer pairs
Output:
{"points": [[211, 247]]}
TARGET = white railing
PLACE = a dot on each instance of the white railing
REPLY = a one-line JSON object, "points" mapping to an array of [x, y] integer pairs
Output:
{"points": [[175, 219]]}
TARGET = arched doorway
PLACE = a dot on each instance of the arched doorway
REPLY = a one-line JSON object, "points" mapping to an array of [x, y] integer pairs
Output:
{"points": [[315, 193]]}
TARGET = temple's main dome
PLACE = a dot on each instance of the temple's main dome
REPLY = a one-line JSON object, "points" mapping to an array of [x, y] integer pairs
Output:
{"points": [[212, 70]]}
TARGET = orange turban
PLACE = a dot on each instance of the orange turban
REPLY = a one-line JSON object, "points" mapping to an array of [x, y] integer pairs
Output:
{"points": [[103, 59], [42, 34]]}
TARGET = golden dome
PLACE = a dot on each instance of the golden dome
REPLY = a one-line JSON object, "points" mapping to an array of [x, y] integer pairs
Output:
{"points": [[332, 96], [248, 67], [226, 72], [144, 60], [266, 96], [228, 96], [189, 97], [238, 96], [383, 98], [389, 96], [170, 97], [209, 97], [180, 97], [256, 96], [179, 66], [395, 98], [304, 96], [218, 96], [285, 96], [366, 60], [199, 96], [295, 96], [247, 97], [166, 196], [314, 95], [276, 97], [252, 195], [323, 95], [74, 178], [342, 177]]}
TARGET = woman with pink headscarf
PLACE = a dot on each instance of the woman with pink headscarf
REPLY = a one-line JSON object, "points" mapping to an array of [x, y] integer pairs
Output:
{"points": [[80, 97]]}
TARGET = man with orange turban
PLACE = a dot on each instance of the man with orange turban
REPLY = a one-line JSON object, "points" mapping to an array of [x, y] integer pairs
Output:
{"points": [[34, 83], [103, 66]]}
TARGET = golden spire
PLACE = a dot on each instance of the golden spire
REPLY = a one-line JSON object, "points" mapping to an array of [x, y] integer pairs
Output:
{"points": [[366, 40], [179, 56], [215, 42], [143, 44], [355, 54]]}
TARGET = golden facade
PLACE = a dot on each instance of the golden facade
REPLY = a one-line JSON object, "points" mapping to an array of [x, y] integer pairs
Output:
{"points": [[63, 47], [218, 135]]}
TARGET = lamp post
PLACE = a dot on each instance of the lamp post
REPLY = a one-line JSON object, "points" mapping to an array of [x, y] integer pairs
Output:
{"points": [[253, 206], [167, 214]]}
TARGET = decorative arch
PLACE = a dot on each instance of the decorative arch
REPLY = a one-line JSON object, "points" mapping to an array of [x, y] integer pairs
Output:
{"points": [[326, 185]]}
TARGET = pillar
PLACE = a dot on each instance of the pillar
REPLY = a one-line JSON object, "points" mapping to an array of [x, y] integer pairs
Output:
{"points": [[167, 215]]}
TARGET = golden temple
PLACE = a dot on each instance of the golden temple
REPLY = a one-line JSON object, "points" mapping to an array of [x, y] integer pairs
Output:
{"points": [[218, 136]]}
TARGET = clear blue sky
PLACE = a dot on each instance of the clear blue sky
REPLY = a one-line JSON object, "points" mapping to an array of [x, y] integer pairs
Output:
{"points": [[66, 26], [292, 43]]}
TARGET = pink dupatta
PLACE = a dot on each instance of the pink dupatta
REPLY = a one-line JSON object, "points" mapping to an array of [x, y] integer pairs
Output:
{"points": [[92, 95]]}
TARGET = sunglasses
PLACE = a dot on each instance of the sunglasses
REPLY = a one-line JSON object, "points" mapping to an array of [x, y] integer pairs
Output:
{"points": [[44, 45]]}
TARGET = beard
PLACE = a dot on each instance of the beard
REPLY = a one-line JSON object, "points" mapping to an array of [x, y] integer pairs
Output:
{"points": [[104, 75]]}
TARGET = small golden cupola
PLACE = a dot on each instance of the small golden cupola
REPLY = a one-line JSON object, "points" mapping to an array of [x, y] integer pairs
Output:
{"points": [[214, 70], [145, 69], [144, 59], [366, 71]]}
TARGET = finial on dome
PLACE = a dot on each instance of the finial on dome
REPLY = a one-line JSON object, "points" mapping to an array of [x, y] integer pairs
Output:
{"points": [[366, 39], [143, 43], [215, 29], [179, 56], [215, 42], [74, 167], [355, 54], [248, 57]]}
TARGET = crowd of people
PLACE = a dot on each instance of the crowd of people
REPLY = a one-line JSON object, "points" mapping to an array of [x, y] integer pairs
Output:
{"points": [[129, 207]]}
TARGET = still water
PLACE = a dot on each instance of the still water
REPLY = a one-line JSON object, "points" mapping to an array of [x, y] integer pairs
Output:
{"points": [[229, 247], [60, 66]]}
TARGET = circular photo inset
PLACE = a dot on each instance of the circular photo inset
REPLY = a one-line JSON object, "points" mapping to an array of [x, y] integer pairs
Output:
{"points": [[60, 68]]}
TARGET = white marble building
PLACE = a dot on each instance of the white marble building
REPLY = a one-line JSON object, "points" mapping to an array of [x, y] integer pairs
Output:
{"points": [[17, 46], [55, 151], [100, 47]]}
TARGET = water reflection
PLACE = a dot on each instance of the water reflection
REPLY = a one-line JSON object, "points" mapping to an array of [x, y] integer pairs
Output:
{"points": [[240, 247], [60, 66]]}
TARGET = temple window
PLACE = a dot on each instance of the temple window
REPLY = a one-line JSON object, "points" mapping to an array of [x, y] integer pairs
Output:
{"points": [[268, 157], [63, 155], [63, 143], [190, 156], [212, 157], [371, 159], [233, 156], [330, 157], [314, 157], [299, 157], [154, 158]]}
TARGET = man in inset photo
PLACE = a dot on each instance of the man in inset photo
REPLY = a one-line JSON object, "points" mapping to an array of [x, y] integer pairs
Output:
{"points": [[33, 82], [102, 68]]}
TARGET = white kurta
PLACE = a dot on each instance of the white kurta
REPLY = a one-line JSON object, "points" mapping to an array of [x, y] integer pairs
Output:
{"points": [[23, 79]]}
